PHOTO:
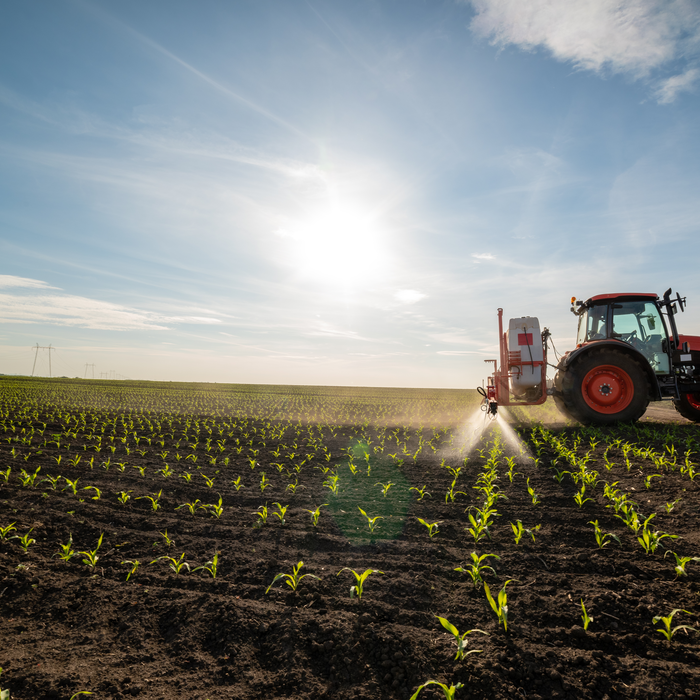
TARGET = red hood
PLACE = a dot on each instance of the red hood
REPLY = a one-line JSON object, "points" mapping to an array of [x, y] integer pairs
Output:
{"points": [[692, 340]]}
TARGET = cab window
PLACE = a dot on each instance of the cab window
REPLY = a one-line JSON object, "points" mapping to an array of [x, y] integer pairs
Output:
{"points": [[640, 325]]}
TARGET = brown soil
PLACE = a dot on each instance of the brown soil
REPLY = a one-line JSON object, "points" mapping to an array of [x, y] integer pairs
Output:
{"points": [[69, 628]]}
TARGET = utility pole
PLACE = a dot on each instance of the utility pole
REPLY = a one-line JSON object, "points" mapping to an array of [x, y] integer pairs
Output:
{"points": [[86, 370], [42, 347]]}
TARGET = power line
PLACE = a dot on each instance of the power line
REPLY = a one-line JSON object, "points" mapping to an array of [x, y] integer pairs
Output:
{"points": [[41, 347]]}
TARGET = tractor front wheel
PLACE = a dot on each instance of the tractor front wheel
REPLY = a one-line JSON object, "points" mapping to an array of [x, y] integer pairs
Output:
{"points": [[689, 406], [602, 386]]}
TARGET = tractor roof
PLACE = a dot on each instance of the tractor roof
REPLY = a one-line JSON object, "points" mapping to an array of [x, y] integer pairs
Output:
{"points": [[623, 296]]}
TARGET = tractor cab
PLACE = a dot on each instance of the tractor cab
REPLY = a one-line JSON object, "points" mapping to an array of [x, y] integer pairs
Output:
{"points": [[634, 319]]}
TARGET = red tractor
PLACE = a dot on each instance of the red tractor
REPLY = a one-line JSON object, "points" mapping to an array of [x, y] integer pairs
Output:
{"points": [[628, 353]]}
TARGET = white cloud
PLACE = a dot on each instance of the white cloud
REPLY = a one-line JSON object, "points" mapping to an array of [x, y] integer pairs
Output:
{"points": [[624, 36], [62, 309], [669, 88], [483, 256], [11, 281], [408, 296]]}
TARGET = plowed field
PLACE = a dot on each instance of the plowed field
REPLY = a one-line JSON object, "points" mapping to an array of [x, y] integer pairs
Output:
{"points": [[145, 467]]}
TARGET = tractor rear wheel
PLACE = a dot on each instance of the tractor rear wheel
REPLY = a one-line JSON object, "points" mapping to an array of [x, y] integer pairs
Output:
{"points": [[689, 406], [602, 386]]}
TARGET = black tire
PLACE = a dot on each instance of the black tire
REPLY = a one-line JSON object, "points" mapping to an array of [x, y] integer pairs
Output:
{"points": [[689, 406], [604, 387]]}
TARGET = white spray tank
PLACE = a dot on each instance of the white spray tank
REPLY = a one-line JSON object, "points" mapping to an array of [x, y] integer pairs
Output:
{"points": [[525, 354]]}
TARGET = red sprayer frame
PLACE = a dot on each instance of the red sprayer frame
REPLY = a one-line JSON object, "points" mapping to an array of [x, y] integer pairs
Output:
{"points": [[497, 386]]}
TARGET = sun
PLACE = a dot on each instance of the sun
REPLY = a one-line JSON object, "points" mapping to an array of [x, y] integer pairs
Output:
{"points": [[337, 244]]}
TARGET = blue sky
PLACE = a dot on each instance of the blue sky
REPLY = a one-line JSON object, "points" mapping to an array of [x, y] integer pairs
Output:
{"points": [[334, 192]]}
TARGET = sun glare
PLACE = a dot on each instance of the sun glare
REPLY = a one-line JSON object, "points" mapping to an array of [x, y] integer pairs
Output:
{"points": [[339, 245]]}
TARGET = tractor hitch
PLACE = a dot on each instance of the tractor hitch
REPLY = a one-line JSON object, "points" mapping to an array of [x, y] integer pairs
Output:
{"points": [[488, 402]]}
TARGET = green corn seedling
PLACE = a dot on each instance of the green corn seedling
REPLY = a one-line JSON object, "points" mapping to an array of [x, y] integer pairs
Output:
{"points": [[134, 564], [586, 619], [237, 483], [261, 512], [385, 487], [216, 509], [460, 639], [667, 630], [53, 481], [154, 499], [72, 485], [192, 507], [681, 563], [264, 482], [533, 496], [210, 566], [358, 588], [176, 565], [281, 510], [371, 522], [476, 568], [651, 540], [331, 483], [66, 552], [28, 479], [421, 492], [499, 606], [671, 505], [25, 541], [169, 541], [580, 497], [292, 580], [315, 514], [5, 531], [432, 527], [98, 493], [450, 691], [123, 497], [209, 481], [602, 537], [91, 557], [519, 531], [6, 474], [647, 479]]}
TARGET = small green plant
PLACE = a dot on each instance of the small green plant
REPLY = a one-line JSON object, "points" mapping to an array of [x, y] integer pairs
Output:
{"points": [[25, 541], [209, 481], [332, 483], [5, 531], [123, 497], [667, 630], [98, 493], [292, 580], [237, 483], [315, 514], [602, 537], [476, 568], [134, 567], [210, 566], [500, 605], [385, 487], [422, 493], [264, 482], [154, 499], [519, 531], [91, 557], [371, 522], [191, 507], [533, 496], [280, 512], [358, 588], [460, 639], [216, 509], [6, 474], [72, 485], [66, 552], [432, 527], [169, 541], [449, 691], [176, 565], [580, 497], [261, 512], [681, 563], [672, 504], [586, 619], [649, 477], [651, 540]]}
